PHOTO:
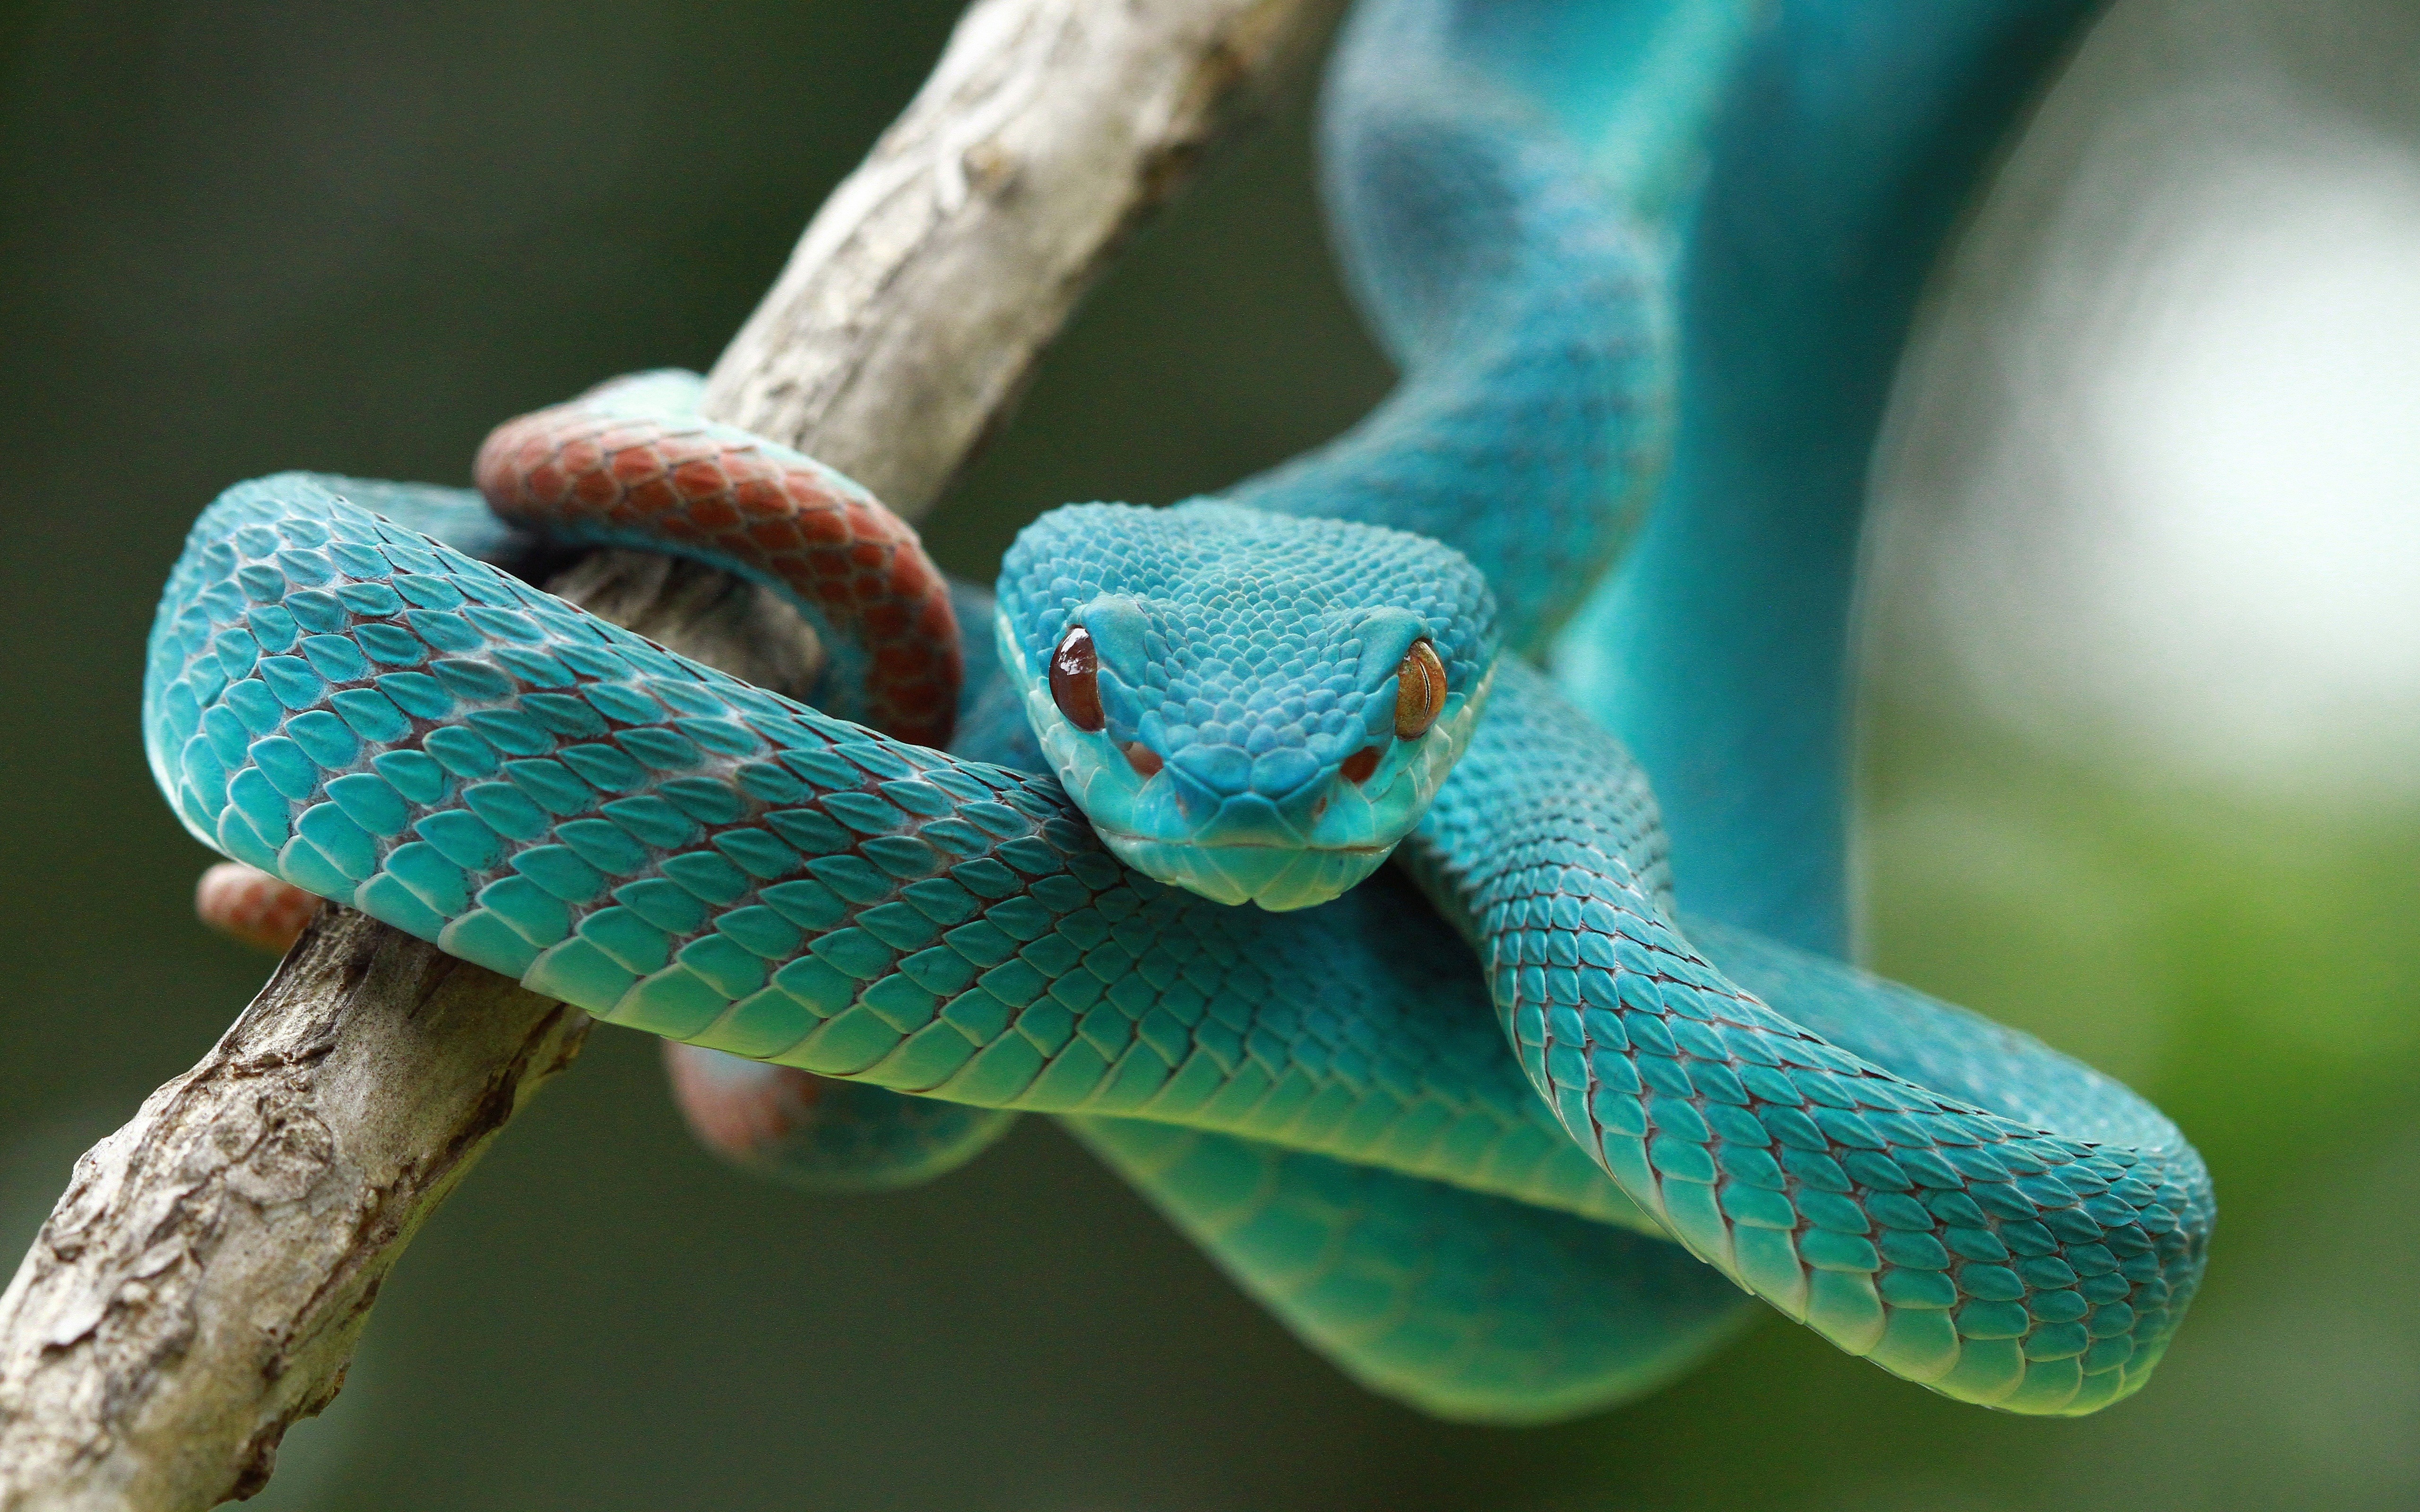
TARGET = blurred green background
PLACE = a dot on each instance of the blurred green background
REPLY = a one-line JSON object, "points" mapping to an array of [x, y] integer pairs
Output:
{"points": [[2144, 703]]}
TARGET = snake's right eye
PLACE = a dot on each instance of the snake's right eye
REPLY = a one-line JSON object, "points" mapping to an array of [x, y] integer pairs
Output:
{"points": [[1419, 691], [1075, 679]]}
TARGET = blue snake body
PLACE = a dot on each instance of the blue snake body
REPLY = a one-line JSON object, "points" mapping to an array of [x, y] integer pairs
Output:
{"points": [[1515, 1165], [1853, 134]]}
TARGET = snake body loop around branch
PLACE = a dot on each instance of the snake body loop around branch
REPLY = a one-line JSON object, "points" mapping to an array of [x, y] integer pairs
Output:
{"points": [[1497, 1128]]}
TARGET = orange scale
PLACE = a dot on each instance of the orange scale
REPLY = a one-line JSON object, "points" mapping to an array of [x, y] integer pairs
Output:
{"points": [[700, 478], [542, 482], [592, 489], [714, 513], [761, 496], [595, 490], [776, 537], [873, 555], [885, 620], [824, 527], [683, 463], [651, 496], [635, 464], [577, 455]]}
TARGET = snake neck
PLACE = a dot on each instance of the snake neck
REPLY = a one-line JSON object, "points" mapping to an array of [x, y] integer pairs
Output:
{"points": [[1538, 758], [1504, 232], [1718, 651]]}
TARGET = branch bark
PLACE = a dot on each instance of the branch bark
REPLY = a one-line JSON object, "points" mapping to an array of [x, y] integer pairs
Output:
{"points": [[203, 1282], [1050, 128]]}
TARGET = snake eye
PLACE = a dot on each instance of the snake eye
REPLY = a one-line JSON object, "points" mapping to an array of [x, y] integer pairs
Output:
{"points": [[1419, 691], [1075, 680]]}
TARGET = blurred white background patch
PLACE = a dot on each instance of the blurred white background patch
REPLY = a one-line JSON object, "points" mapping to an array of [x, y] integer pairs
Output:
{"points": [[2152, 486]]}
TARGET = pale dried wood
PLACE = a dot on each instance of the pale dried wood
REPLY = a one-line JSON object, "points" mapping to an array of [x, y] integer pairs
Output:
{"points": [[1049, 130], [201, 1285]]}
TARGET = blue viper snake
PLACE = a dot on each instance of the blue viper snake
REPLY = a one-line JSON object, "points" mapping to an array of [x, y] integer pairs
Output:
{"points": [[1495, 1128]]}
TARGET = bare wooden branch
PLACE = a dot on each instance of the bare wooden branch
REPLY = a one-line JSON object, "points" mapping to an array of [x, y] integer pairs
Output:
{"points": [[1050, 128], [204, 1280]]}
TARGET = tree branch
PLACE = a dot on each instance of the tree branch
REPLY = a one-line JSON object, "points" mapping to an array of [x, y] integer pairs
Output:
{"points": [[1050, 128], [202, 1284]]}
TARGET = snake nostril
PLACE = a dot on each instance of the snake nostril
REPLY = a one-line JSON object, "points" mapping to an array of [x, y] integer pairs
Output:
{"points": [[1359, 766], [1144, 759]]}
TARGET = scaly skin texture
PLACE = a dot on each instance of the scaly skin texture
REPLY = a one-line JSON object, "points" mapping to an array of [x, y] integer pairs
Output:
{"points": [[1944, 1230], [1475, 1307], [1459, 1167], [628, 463], [671, 849], [1252, 657], [368, 714]]}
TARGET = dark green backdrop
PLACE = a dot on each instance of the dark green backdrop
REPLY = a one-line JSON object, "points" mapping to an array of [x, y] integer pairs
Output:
{"points": [[244, 237]]}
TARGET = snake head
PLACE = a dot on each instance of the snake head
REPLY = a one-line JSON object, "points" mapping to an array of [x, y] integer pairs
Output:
{"points": [[1249, 705]]}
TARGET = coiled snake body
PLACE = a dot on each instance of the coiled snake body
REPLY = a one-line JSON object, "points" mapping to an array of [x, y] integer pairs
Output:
{"points": [[1509, 1169]]}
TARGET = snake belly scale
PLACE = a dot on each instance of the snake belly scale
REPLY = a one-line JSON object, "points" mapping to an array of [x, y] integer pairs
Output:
{"points": [[1519, 1167]]}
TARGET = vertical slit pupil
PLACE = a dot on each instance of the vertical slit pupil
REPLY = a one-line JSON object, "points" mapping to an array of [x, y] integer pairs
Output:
{"points": [[1075, 679]]}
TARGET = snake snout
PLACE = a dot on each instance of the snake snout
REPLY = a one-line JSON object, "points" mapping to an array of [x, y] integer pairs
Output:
{"points": [[1284, 831]]}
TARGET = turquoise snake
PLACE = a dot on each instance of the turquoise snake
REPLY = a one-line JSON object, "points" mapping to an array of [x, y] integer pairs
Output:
{"points": [[1324, 1097]]}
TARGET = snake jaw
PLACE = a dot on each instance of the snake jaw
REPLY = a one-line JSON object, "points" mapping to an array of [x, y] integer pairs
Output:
{"points": [[1276, 878]]}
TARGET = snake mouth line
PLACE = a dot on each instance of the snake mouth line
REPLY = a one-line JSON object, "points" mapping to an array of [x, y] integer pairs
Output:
{"points": [[1113, 832]]}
